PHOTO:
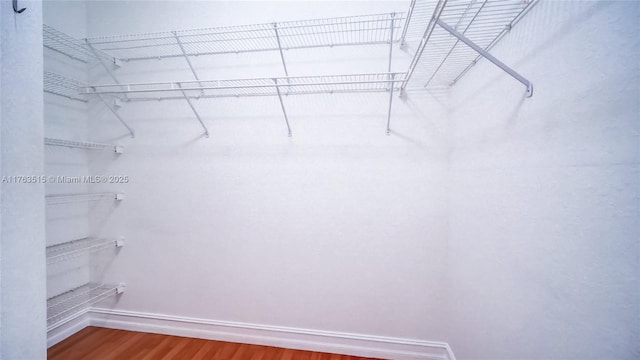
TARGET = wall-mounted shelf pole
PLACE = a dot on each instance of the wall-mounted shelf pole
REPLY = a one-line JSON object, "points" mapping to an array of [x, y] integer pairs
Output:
{"points": [[391, 83], [186, 57], [195, 112], [453, 47], [284, 112], [488, 56], [393, 15], [406, 23], [115, 113], [284, 64], [423, 42]]}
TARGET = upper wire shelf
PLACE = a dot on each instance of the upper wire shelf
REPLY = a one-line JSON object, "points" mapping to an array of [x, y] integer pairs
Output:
{"points": [[329, 84], [339, 31], [74, 248], [63, 86], [74, 48], [446, 59], [68, 305]]}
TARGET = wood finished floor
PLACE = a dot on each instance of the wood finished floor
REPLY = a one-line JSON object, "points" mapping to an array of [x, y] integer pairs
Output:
{"points": [[100, 343]]}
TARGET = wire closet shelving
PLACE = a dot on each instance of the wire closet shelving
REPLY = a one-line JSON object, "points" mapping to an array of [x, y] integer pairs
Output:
{"points": [[59, 199], [73, 303], [451, 36], [70, 249]]}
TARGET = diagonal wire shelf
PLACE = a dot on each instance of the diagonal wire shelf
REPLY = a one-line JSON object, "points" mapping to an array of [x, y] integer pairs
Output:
{"points": [[63, 86], [338, 31], [328, 84], [64, 251], [445, 59], [73, 303]]}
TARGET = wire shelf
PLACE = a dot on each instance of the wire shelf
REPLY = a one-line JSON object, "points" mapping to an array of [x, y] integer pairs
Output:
{"points": [[446, 59], [339, 31], [58, 199], [74, 248], [73, 303], [82, 145], [377, 82], [63, 86], [64, 44]]}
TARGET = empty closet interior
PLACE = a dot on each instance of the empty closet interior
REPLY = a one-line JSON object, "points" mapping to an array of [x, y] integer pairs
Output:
{"points": [[396, 179]]}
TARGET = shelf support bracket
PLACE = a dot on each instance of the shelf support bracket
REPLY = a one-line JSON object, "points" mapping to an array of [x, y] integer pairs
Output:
{"points": [[186, 57], [406, 23], [392, 76], [101, 60], [393, 16], [113, 111], [284, 112], [423, 43], [284, 64], [488, 56], [195, 112]]}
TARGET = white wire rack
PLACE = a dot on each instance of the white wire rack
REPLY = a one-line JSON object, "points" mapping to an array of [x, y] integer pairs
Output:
{"points": [[63, 86], [83, 145], [442, 58], [70, 249], [339, 31], [74, 48], [302, 85], [58, 199], [73, 303]]}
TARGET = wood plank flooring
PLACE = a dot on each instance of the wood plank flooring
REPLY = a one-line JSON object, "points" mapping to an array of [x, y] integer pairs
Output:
{"points": [[97, 343]]}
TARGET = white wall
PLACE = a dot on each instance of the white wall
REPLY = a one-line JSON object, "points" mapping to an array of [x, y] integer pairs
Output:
{"points": [[545, 201], [22, 205], [338, 228]]}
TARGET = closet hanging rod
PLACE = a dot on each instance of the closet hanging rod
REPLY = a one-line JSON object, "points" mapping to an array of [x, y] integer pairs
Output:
{"points": [[58, 199], [262, 83]]}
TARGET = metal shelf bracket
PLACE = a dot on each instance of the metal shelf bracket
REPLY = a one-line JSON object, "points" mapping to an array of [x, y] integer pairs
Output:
{"points": [[488, 56]]}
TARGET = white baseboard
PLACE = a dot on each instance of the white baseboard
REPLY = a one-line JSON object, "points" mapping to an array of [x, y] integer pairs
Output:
{"points": [[67, 329], [294, 338]]}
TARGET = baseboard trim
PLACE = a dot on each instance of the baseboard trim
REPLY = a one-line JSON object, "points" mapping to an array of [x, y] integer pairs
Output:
{"points": [[77, 323], [295, 338]]}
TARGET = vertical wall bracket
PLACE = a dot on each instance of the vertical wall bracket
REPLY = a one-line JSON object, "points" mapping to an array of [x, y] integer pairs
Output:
{"points": [[195, 112], [284, 64], [115, 113], [391, 82], [284, 112], [488, 56]]}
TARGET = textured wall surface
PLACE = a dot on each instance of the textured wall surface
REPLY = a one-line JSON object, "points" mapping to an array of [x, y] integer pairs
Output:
{"points": [[22, 205], [338, 228], [545, 198]]}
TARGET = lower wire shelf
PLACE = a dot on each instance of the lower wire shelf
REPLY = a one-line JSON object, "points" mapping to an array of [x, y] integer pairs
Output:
{"points": [[73, 303], [70, 249]]}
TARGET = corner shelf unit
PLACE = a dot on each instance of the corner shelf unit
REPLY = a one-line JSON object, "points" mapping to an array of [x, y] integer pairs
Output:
{"points": [[73, 303], [452, 36], [74, 248]]}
